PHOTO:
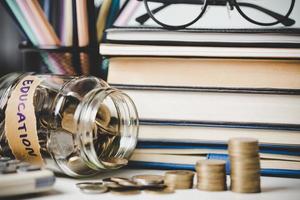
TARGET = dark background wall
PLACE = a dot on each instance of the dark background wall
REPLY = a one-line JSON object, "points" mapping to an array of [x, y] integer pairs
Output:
{"points": [[10, 56]]}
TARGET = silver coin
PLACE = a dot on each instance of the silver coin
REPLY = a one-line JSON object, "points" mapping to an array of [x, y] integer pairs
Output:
{"points": [[107, 180], [84, 184], [118, 179], [61, 144], [112, 185], [127, 183], [146, 179], [94, 189], [124, 182]]}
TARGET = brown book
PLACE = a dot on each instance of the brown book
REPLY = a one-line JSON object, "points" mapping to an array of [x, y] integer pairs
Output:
{"points": [[205, 72]]}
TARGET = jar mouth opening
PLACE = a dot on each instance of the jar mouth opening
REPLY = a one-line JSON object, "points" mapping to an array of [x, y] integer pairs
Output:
{"points": [[107, 123]]}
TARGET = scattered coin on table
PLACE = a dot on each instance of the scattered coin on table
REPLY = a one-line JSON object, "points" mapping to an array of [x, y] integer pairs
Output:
{"points": [[92, 187]]}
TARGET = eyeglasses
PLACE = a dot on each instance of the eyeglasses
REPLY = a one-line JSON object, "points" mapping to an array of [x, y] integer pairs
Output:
{"points": [[260, 12]]}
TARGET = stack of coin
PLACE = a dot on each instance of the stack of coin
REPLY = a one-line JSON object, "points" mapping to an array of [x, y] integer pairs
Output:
{"points": [[179, 179], [245, 165], [211, 175]]}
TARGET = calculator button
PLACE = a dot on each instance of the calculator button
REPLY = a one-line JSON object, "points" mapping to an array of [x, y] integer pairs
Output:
{"points": [[9, 170], [23, 166], [4, 159], [33, 168], [13, 162]]}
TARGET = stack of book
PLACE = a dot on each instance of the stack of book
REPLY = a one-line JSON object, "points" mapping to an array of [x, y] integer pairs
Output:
{"points": [[198, 87]]}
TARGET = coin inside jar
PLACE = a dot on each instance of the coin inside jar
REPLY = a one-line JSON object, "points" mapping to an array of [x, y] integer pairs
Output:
{"points": [[114, 162], [104, 115]]}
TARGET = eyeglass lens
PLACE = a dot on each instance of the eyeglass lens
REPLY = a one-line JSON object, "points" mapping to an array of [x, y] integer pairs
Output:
{"points": [[167, 11], [261, 10]]}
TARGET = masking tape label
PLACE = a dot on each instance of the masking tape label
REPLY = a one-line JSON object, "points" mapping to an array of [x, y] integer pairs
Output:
{"points": [[20, 122]]}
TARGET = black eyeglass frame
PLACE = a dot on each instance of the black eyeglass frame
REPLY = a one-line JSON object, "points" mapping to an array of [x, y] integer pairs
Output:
{"points": [[232, 4]]}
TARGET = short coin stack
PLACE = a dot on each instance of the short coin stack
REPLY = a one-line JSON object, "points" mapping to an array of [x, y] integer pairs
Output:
{"points": [[245, 165], [211, 175], [179, 179]]}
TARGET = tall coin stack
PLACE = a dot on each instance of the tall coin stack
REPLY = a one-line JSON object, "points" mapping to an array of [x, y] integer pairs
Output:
{"points": [[179, 179], [211, 175], [245, 165]]}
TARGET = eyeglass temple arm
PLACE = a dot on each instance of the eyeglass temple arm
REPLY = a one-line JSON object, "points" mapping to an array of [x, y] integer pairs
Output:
{"points": [[143, 18], [286, 21]]}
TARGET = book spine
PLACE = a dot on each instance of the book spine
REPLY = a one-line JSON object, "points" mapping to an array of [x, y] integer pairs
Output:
{"points": [[264, 148], [171, 166]]}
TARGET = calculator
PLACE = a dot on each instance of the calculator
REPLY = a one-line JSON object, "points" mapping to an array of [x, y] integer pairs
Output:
{"points": [[17, 178]]}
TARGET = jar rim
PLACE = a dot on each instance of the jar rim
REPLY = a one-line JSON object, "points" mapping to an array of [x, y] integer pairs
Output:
{"points": [[85, 118]]}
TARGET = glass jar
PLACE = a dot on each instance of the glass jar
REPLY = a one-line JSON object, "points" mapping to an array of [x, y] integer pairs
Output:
{"points": [[75, 125]]}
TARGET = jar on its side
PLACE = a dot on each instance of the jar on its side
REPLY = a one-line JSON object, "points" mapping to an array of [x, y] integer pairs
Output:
{"points": [[75, 125]]}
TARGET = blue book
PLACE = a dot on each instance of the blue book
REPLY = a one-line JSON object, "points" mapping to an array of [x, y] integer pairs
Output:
{"points": [[189, 148], [269, 167]]}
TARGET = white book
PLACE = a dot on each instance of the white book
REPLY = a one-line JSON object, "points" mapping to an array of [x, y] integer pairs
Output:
{"points": [[210, 134], [192, 159], [204, 152], [196, 51], [217, 106]]}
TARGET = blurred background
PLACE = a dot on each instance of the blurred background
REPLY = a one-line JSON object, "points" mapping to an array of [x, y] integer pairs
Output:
{"points": [[10, 38]]}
